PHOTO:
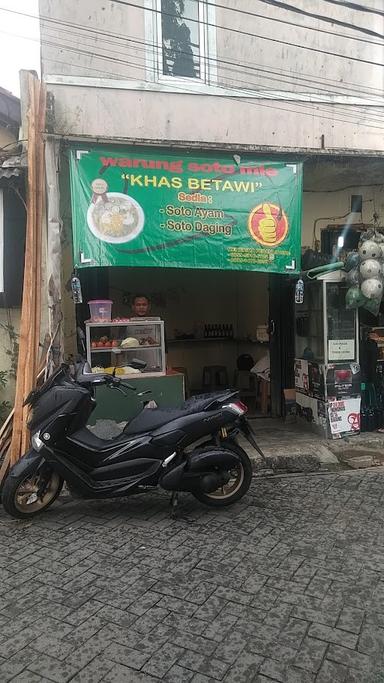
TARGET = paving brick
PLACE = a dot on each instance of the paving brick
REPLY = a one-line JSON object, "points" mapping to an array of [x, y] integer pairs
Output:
{"points": [[351, 619], [83, 613], [155, 615], [94, 672], [148, 600], [293, 632], [331, 672], [311, 654], [270, 668], [189, 641], [220, 626], [287, 594], [181, 607], [189, 625], [177, 674], [276, 650], [278, 616], [371, 639], [295, 675], [122, 674], [121, 654], [57, 648], [236, 596], [86, 630], [208, 666], [210, 609], [231, 647], [29, 677], [333, 635], [349, 658], [48, 667], [107, 614], [245, 668], [18, 642], [201, 593], [161, 662], [16, 663]]}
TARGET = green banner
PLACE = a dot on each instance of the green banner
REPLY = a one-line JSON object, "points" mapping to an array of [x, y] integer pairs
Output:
{"points": [[144, 207]]}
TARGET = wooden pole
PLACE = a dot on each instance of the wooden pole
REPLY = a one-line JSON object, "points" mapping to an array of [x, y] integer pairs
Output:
{"points": [[31, 305]]}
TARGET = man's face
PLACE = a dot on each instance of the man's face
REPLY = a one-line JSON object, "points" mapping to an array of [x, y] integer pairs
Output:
{"points": [[141, 306]]}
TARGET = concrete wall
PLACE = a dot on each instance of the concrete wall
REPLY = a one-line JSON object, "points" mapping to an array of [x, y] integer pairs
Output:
{"points": [[8, 317], [96, 39]]}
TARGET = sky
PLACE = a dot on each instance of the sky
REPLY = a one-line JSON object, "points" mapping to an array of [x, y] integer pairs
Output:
{"points": [[19, 42]]}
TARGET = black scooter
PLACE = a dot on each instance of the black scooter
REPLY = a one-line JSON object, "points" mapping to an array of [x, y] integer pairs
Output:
{"points": [[192, 448]]}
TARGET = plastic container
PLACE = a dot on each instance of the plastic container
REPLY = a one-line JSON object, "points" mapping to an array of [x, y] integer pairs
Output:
{"points": [[101, 310]]}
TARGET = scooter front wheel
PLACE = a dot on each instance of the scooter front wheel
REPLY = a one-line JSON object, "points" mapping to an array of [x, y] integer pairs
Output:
{"points": [[31, 492], [240, 477]]}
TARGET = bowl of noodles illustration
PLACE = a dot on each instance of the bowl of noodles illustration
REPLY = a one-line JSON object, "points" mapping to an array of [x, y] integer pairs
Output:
{"points": [[115, 218]]}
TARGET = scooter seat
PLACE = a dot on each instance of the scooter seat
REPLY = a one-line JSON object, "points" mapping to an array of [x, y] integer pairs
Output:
{"points": [[151, 418]]}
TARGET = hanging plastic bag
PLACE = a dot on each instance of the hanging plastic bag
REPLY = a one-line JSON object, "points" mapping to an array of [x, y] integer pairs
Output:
{"points": [[354, 298]]}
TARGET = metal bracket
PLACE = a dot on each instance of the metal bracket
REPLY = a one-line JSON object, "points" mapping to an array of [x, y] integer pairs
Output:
{"points": [[292, 265], [80, 152]]}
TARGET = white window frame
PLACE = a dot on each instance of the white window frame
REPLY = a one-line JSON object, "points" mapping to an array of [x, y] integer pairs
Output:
{"points": [[207, 44]]}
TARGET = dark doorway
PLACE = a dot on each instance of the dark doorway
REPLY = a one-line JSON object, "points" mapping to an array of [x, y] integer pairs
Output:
{"points": [[282, 338]]}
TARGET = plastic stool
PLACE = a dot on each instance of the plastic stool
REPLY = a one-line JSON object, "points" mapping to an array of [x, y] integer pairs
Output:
{"points": [[215, 377]]}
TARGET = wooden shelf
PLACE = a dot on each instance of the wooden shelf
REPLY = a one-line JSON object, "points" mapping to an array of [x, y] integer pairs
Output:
{"points": [[220, 340]]}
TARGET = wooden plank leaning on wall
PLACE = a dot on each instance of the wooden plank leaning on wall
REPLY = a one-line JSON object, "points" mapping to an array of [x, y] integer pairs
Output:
{"points": [[28, 362]]}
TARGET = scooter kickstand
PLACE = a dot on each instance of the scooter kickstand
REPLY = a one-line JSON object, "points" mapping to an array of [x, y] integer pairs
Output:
{"points": [[174, 503]]}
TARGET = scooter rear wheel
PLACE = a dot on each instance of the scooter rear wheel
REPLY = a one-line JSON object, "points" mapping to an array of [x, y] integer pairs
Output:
{"points": [[20, 494], [235, 488]]}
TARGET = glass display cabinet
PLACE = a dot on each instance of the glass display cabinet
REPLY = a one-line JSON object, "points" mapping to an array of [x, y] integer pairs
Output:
{"points": [[113, 345], [326, 331], [327, 373]]}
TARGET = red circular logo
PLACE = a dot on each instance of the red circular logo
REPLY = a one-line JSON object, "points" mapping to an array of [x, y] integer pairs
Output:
{"points": [[268, 224]]}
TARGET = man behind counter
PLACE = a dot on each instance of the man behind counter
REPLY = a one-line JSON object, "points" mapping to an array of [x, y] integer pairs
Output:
{"points": [[141, 306]]}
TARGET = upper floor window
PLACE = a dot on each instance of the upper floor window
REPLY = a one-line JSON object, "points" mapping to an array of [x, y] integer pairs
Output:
{"points": [[185, 40]]}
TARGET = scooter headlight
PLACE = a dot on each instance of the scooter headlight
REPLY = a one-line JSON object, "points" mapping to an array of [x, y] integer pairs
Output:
{"points": [[37, 443]]}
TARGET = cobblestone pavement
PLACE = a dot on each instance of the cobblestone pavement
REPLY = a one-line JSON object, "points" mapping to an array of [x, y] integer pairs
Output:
{"points": [[288, 585]]}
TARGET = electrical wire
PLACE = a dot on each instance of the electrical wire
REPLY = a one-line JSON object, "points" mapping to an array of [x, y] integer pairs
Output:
{"points": [[356, 6], [245, 65], [318, 17], [247, 33], [143, 46], [144, 66], [248, 65], [237, 31], [133, 65], [310, 113], [345, 111]]}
